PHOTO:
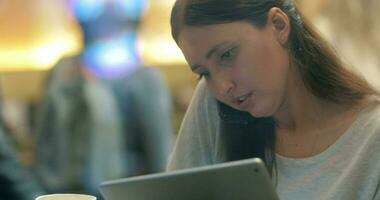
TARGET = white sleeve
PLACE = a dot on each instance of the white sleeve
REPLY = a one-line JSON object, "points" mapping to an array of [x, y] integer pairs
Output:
{"points": [[198, 138]]}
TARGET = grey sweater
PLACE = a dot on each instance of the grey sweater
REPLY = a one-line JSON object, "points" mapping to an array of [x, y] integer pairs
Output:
{"points": [[349, 169]]}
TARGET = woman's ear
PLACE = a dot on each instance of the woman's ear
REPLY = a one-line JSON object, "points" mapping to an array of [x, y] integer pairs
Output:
{"points": [[280, 24]]}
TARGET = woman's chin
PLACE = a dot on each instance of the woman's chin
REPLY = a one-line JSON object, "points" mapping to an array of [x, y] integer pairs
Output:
{"points": [[261, 111]]}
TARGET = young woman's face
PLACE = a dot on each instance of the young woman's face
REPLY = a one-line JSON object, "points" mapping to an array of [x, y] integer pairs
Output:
{"points": [[244, 67]]}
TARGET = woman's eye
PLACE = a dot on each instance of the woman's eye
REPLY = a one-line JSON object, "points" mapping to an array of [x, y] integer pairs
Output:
{"points": [[227, 55], [203, 74]]}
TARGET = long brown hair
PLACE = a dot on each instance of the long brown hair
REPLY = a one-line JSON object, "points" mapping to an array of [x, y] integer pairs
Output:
{"points": [[322, 72]]}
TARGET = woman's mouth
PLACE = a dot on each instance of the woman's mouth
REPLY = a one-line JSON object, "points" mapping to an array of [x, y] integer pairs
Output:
{"points": [[243, 102]]}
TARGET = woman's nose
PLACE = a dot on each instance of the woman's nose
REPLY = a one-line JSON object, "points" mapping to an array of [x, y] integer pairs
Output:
{"points": [[225, 87]]}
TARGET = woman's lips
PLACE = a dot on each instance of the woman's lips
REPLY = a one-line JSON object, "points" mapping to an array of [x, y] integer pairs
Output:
{"points": [[243, 102]]}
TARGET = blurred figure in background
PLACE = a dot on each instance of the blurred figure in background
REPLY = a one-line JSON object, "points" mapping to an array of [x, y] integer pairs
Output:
{"points": [[141, 93], [79, 136], [62, 129], [104, 115], [146, 112], [16, 182]]}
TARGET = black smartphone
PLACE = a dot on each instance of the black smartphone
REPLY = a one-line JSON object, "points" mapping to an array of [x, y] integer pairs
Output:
{"points": [[231, 115]]}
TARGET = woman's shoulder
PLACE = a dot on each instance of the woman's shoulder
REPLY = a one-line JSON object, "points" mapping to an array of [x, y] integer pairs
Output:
{"points": [[371, 112], [197, 141], [202, 94], [203, 105], [368, 121]]}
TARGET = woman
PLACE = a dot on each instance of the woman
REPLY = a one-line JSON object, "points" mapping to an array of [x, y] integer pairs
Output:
{"points": [[277, 91]]}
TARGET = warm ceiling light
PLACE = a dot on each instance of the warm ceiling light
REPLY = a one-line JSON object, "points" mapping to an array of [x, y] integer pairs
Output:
{"points": [[35, 34], [157, 47]]}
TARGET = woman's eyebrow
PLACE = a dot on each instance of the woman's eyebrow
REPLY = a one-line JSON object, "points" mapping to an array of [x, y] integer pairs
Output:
{"points": [[214, 49], [209, 54]]}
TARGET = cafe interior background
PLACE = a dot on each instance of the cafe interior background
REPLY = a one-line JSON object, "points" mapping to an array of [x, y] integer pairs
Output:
{"points": [[69, 92]]}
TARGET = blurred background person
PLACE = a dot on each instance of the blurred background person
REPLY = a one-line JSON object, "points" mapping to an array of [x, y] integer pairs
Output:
{"points": [[104, 114], [78, 132], [142, 95], [61, 129], [16, 181]]}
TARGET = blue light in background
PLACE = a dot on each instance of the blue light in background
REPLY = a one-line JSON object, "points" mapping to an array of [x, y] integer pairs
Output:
{"points": [[112, 58], [132, 9], [90, 10], [87, 10]]}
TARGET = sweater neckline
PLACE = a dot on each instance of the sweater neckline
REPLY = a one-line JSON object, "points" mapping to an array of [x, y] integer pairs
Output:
{"points": [[367, 110]]}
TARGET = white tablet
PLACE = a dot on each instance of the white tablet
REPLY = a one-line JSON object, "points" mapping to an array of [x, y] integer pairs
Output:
{"points": [[239, 180]]}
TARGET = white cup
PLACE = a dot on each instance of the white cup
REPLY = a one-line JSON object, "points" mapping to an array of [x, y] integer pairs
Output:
{"points": [[66, 197]]}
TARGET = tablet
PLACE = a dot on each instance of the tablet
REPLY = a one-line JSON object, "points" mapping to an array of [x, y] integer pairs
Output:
{"points": [[238, 180]]}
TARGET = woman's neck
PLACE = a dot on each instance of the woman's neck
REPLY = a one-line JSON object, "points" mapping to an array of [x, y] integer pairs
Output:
{"points": [[302, 112]]}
